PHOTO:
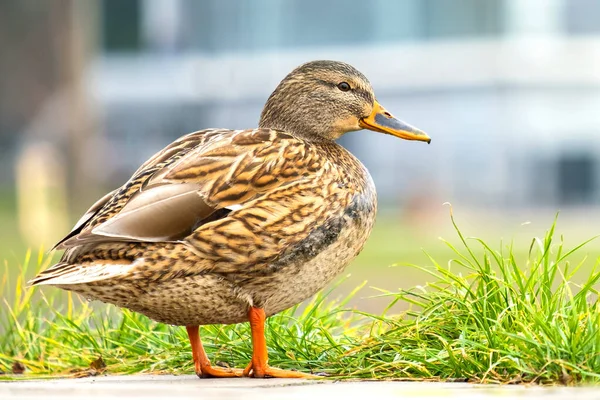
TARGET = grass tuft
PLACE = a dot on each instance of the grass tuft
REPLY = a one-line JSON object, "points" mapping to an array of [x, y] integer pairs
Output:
{"points": [[485, 316], [500, 321]]}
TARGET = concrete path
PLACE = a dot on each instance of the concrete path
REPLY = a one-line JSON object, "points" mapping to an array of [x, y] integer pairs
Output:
{"points": [[190, 387]]}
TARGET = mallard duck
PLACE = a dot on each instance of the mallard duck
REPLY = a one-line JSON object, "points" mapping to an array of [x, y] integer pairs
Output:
{"points": [[228, 226]]}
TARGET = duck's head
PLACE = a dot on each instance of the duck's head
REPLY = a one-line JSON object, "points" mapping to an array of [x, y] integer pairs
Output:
{"points": [[325, 99]]}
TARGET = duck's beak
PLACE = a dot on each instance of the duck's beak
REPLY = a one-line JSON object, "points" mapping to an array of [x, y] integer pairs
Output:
{"points": [[382, 121]]}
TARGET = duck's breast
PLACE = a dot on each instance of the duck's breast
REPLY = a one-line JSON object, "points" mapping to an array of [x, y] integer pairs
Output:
{"points": [[315, 261]]}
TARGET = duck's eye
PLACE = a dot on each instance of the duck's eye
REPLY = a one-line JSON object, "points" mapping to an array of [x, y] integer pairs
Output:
{"points": [[344, 86]]}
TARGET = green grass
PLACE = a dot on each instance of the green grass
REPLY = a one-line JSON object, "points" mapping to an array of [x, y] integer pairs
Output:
{"points": [[486, 315]]}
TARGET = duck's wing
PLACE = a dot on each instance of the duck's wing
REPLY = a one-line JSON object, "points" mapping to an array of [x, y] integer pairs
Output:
{"points": [[115, 198], [198, 179], [86, 217]]}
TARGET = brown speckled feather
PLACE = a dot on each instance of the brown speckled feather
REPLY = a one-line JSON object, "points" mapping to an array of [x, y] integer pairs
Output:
{"points": [[233, 204], [267, 176]]}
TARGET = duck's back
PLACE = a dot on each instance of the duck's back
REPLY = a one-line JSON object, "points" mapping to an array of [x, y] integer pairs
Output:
{"points": [[223, 218]]}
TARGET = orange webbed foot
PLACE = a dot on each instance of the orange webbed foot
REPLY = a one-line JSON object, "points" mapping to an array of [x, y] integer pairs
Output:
{"points": [[208, 371], [259, 367], [266, 371], [202, 364]]}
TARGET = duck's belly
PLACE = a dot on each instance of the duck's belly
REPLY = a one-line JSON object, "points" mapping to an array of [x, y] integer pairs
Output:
{"points": [[313, 264], [215, 299]]}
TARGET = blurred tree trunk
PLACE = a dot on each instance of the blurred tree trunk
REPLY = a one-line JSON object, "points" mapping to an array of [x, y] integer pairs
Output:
{"points": [[34, 45], [45, 46]]}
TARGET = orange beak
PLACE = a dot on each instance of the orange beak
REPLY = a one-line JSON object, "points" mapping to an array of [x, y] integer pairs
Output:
{"points": [[382, 121]]}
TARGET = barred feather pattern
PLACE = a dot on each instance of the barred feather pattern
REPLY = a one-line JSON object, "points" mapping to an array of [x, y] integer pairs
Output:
{"points": [[266, 219]]}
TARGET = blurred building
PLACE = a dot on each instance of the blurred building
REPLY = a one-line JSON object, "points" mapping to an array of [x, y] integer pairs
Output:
{"points": [[509, 90]]}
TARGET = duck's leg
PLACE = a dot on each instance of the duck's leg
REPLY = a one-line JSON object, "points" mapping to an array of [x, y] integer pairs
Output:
{"points": [[201, 361], [259, 367]]}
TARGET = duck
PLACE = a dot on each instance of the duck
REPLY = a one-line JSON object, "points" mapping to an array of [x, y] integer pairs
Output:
{"points": [[231, 226]]}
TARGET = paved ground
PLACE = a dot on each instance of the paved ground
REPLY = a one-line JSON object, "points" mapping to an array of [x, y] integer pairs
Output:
{"points": [[182, 387]]}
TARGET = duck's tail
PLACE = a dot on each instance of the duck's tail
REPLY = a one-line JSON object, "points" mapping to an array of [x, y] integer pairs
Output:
{"points": [[71, 274]]}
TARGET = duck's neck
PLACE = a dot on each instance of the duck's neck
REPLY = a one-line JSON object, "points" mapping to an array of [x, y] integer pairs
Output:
{"points": [[303, 134], [305, 128], [286, 114]]}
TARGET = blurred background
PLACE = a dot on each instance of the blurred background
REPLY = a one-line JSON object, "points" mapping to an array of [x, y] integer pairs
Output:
{"points": [[509, 90]]}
